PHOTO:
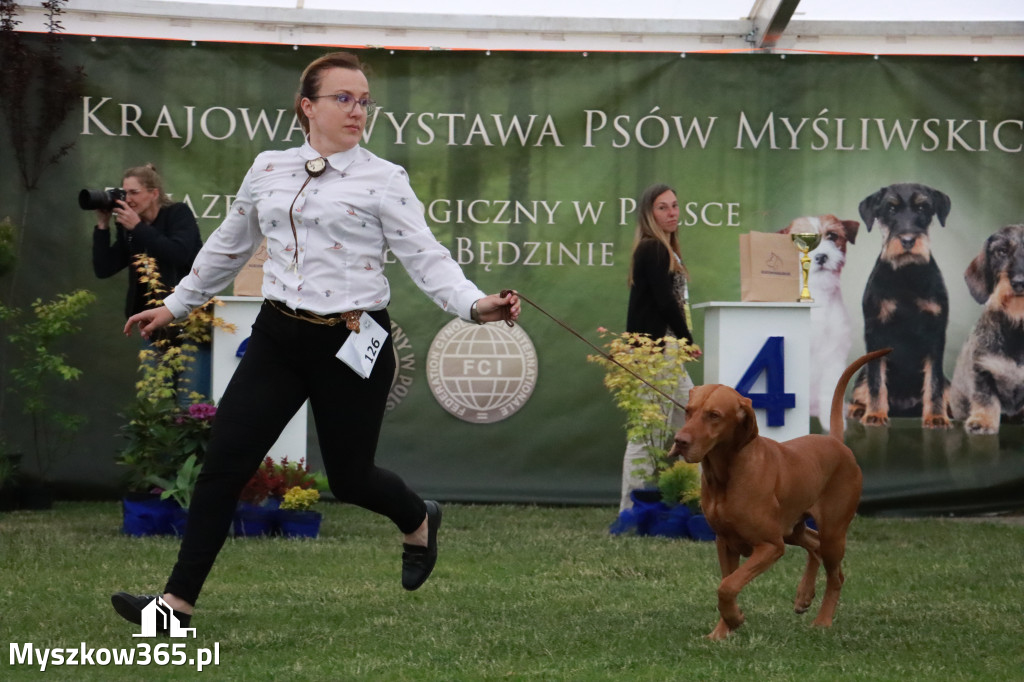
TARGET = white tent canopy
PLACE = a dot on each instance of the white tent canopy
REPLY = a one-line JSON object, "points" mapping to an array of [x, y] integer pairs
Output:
{"points": [[981, 27]]}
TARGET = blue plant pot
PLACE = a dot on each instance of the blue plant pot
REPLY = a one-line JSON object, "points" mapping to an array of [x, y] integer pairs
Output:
{"points": [[699, 528], [255, 520], [650, 516], [671, 523], [179, 519], [299, 524], [147, 515]]}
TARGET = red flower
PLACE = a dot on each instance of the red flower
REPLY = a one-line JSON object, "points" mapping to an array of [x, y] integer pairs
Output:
{"points": [[273, 480]]}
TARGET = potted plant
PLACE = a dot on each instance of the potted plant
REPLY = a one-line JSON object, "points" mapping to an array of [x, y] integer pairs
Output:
{"points": [[167, 422], [38, 369], [296, 517], [259, 501], [679, 485], [261, 498], [179, 490], [160, 436], [673, 487], [158, 440]]}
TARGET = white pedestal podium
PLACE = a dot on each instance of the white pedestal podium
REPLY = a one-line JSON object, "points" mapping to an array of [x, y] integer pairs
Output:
{"points": [[771, 340], [241, 311]]}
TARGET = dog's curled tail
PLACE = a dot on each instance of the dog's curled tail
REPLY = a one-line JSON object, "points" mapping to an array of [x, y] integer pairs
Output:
{"points": [[836, 421]]}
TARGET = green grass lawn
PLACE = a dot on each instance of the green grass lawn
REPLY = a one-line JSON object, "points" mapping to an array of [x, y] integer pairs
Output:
{"points": [[519, 593]]}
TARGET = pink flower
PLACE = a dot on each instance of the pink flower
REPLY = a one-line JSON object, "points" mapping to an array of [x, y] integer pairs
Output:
{"points": [[204, 411]]}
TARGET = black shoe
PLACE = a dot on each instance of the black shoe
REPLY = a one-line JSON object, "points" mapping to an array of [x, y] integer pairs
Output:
{"points": [[130, 607], [418, 561]]}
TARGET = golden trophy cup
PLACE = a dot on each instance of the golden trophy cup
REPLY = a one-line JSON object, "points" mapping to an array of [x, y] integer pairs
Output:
{"points": [[806, 242]]}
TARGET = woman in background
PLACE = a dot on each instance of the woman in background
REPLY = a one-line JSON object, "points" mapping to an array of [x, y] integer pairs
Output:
{"points": [[149, 223], [658, 306]]}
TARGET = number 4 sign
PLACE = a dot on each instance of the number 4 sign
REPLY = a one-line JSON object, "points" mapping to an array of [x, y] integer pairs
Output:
{"points": [[770, 361]]}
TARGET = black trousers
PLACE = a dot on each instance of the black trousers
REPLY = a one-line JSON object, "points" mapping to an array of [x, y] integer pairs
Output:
{"points": [[286, 362]]}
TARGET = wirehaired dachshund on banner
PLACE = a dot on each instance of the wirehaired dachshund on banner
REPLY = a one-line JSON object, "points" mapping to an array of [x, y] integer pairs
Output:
{"points": [[988, 382], [906, 308]]}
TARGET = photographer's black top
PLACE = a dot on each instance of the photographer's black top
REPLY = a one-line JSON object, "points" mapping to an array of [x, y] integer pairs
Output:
{"points": [[172, 239]]}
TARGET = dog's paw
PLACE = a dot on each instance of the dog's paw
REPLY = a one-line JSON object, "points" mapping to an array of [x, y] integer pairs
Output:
{"points": [[803, 602], [935, 421], [980, 426], [875, 419], [822, 621], [720, 632]]}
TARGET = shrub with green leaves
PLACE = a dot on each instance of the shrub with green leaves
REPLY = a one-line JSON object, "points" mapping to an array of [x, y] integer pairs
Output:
{"points": [[161, 433], [39, 365], [660, 363]]}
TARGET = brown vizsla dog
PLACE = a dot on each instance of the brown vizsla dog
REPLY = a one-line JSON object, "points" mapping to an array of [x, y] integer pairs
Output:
{"points": [[757, 494]]}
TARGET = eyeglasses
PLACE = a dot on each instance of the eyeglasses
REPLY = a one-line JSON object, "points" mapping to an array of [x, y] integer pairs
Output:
{"points": [[348, 102]]}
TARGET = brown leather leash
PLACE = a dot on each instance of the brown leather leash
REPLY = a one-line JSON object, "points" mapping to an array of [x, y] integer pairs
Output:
{"points": [[599, 351]]}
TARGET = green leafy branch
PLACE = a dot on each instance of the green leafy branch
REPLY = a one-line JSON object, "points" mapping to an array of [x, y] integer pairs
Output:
{"points": [[35, 343], [660, 363], [183, 485]]}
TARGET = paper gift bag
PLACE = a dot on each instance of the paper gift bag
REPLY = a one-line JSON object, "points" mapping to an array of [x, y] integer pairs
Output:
{"points": [[249, 281], [769, 267]]}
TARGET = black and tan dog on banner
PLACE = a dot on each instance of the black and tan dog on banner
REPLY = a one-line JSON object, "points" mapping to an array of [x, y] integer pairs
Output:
{"points": [[906, 308], [988, 382]]}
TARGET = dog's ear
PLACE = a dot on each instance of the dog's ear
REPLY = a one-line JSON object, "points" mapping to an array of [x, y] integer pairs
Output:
{"points": [[851, 227], [869, 208], [976, 276], [788, 229], [942, 205], [746, 423]]}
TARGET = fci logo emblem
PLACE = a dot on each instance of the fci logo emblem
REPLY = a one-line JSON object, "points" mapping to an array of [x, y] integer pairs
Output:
{"points": [[481, 373]]}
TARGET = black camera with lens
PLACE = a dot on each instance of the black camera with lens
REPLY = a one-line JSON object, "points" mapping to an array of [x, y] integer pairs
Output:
{"points": [[100, 199]]}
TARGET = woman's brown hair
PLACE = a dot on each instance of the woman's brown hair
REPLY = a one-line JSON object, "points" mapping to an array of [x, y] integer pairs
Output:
{"points": [[309, 83], [148, 177], [647, 228]]}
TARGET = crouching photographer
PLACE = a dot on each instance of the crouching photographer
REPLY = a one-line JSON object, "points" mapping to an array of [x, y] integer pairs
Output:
{"points": [[146, 222]]}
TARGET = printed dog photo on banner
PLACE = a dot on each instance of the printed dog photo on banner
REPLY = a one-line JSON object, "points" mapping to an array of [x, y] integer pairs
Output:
{"points": [[831, 329], [906, 308], [988, 382]]}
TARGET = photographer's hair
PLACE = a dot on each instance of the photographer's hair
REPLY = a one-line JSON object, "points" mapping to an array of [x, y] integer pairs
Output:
{"points": [[150, 179], [309, 83], [647, 228]]}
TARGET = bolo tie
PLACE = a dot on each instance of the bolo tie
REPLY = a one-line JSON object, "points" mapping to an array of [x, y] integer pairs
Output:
{"points": [[314, 169]]}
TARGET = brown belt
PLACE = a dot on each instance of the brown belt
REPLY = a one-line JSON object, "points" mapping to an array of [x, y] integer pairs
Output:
{"points": [[349, 317]]}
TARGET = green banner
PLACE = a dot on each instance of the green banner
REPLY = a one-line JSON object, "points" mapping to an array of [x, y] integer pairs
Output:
{"points": [[528, 166]]}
